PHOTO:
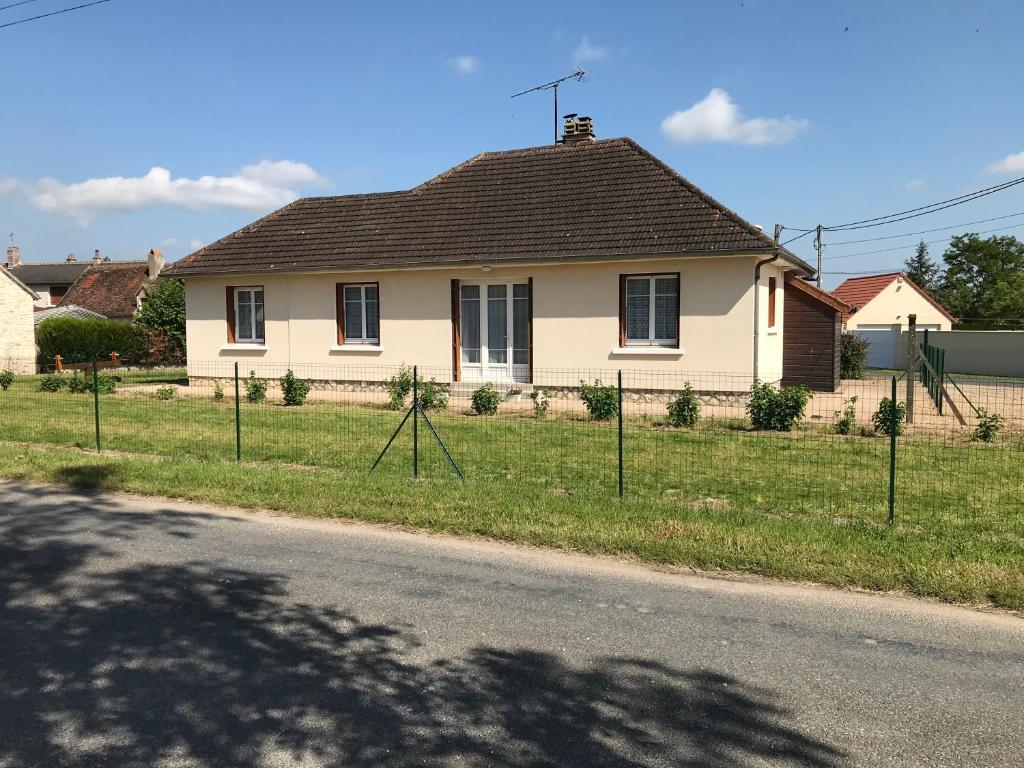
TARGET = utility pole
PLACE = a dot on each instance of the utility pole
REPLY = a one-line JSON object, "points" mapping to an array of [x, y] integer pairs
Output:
{"points": [[777, 235], [821, 248]]}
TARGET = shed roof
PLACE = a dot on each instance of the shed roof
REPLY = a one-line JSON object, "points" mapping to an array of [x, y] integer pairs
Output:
{"points": [[858, 291]]}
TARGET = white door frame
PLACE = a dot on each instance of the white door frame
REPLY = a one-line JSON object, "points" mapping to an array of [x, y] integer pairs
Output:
{"points": [[506, 372]]}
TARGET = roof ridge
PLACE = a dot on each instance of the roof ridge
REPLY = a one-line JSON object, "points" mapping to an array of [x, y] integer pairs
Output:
{"points": [[450, 172]]}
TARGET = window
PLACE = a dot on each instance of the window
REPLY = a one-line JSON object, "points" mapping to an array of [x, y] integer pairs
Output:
{"points": [[358, 313], [649, 310], [57, 292], [248, 315], [771, 302]]}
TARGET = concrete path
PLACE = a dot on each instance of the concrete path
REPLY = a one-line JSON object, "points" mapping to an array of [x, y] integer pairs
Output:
{"points": [[137, 632]]}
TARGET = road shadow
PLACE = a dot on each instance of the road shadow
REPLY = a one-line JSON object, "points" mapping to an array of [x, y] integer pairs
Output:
{"points": [[135, 665]]}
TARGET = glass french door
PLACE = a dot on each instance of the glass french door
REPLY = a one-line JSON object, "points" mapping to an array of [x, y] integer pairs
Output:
{"points": [[495, 331]]}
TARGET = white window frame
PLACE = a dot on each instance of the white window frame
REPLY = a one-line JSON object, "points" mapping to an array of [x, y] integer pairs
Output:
{"points": [[364, 339], [650, 341], [252, 315]]}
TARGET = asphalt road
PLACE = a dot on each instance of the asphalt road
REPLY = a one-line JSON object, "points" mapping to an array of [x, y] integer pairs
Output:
{"points": [[150, 633]]}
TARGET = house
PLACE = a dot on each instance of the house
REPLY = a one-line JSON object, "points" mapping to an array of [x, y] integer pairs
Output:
{"points": [[48, 280], [810, 346], [115, 289], [880, 309], [582, 255], [17, 340]]}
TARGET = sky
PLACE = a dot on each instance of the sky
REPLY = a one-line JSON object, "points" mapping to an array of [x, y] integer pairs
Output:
{"points": [[170, 123]]}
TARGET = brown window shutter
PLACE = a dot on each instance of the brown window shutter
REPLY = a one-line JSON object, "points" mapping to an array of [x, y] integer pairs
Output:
{"points": [[529, 324], [622, 311], [456, 332], [229, 312], [679, 305], [771, 302], [339, 303]]}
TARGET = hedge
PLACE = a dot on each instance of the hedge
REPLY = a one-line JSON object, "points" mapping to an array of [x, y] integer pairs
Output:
{"points": [[83, 340]]}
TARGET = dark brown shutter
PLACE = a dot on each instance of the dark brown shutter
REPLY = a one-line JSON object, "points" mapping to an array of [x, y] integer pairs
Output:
{"points": [[529, 324], [456, 332], [339, 302], [622, 311], [771, 302], [229, 312], [679, 305]]}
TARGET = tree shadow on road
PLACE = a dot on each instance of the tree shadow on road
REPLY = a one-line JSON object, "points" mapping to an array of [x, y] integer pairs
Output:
{"points": [[106, 662]]}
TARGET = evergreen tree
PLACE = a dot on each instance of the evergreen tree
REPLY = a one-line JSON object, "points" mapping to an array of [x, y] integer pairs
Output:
{"points": [[921, 269]]}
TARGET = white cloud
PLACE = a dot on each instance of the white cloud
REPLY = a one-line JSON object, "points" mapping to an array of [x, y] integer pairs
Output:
{"points": [[9, 186], [588, 51], [915, 184], [169, 242], [717, 118], [1009, 164], [464, 64], [261, 186], [195, 245]]}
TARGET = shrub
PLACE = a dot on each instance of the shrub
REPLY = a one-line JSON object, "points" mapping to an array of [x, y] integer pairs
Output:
{"points": [[293, 391], [255, 389], [776, 409], [6, 379], [485, 400], [51, 382], [79, 384], [882, 418], [218, 391], [166, 393], [399, 386], [433, 396], [853, 353], [84, 340], [846, 419], [602, 402], [684, 410], [541, 402], [163, 310], [988, 427]]}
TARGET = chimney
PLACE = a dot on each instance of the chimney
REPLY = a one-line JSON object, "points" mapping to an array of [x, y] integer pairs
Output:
{"points": [[71, 259], [156, 262], [577, 129], [13, 256], [96, 256]]}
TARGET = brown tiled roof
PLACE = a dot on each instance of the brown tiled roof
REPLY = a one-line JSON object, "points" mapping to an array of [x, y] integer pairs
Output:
{"points": [[817, 293], [596, 199], [858, 291], [109, 289]]}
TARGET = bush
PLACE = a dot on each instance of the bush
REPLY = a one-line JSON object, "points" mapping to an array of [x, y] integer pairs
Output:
{"points": [[433, 396], [399, 386], [6, 379], [163, 310], [485, 400], [79, 384], [602, 402], [218, 391], [846, 419], [776, 409], [853, 353], [882, 418], [988, 427], [541, 402], [82, 341], [255, 389], [51, 382], [293, 391], [684, 411], [166, 393]]}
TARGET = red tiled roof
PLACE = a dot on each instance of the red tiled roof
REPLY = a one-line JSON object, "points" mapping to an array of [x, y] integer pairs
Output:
{"points": [[590, 199], [858, 291], [109, 289]]}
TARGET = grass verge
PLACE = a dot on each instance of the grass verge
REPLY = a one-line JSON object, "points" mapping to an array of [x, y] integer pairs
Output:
{"points": [[964, 564]]}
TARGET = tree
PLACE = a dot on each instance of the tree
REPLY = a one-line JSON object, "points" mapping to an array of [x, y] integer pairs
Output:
{"points": [[922, 269], [164, 310], [984, 281]]}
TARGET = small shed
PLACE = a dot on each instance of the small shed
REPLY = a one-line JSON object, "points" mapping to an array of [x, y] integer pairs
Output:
{"points": [[810, 341]]}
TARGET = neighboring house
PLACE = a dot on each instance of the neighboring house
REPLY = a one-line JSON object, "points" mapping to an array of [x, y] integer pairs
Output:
{"points": [[78, 313], [583, 255], [49, 280], [17, 338], [115, 289], [880, 308], [810, 347]]}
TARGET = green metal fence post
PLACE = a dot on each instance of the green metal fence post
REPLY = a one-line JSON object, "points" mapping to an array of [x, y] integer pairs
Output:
{"points": [[415, 422], [96, 402], [621, 484], [893, 426], [238, 419]]}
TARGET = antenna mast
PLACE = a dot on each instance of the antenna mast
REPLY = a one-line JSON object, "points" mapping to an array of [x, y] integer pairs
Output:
{"points": [[577, 75]]}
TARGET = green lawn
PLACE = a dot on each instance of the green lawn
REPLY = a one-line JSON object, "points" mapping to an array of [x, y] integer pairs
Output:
{"points": [[808, 505]]}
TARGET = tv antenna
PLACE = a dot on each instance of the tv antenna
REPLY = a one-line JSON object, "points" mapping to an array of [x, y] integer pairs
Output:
{"points": [[577, 75]]}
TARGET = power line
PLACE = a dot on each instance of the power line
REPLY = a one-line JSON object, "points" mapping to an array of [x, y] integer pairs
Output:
{"points": [[793, 239], [928, 242], [53, 13], [15, 5], [928, 231]]}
